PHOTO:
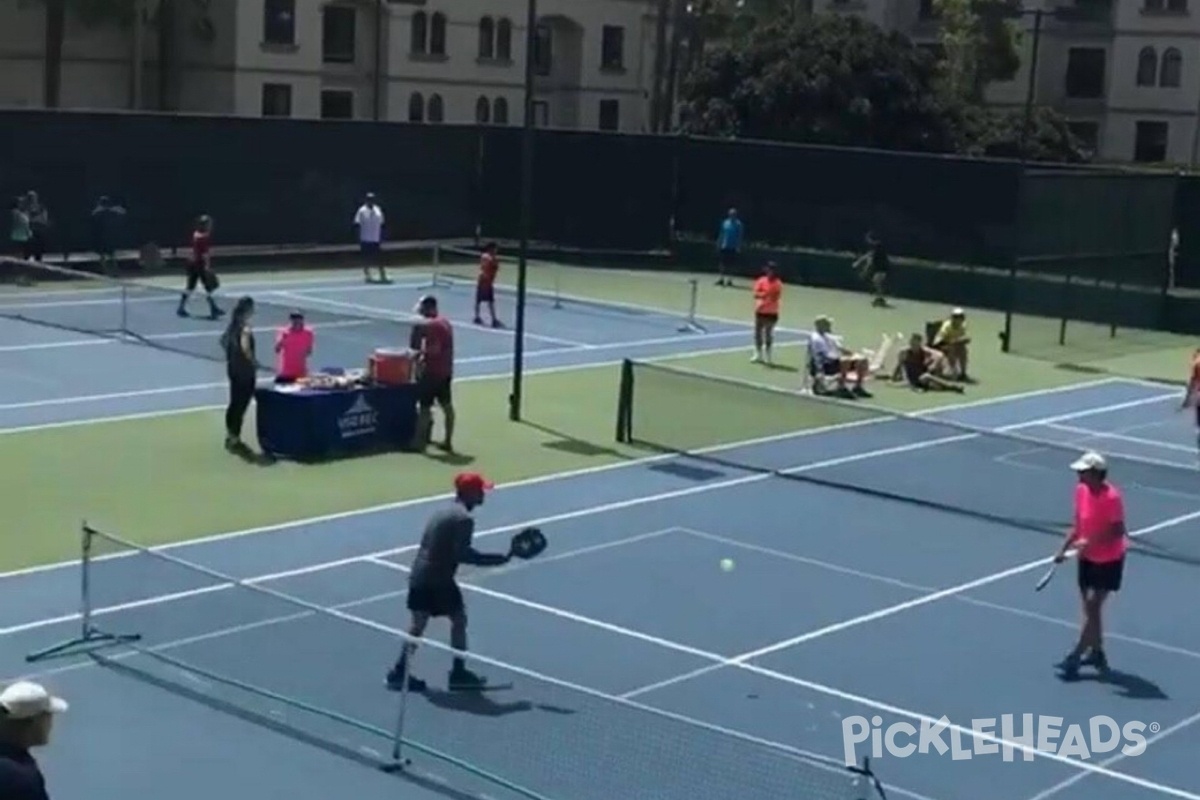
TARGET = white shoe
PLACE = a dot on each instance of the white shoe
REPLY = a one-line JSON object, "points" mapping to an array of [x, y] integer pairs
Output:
{"points": [[758, 359]]}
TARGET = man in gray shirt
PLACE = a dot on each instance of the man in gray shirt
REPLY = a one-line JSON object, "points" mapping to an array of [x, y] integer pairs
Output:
{"points": [[432, 590]]}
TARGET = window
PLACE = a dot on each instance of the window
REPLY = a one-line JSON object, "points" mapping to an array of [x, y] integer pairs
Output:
{"points": [[337, 34], [483, 111], [612, 47], [1147, 69], [437, 35], [1172, 69], [541, 113], [416, 108], [1177, 6], [337, 104], [610, 115], [420, 33], [543, 47], [1087, 133], [279, 22], [1152, 6], [487, 38], [276, 100], [504, 40], [1150, 142], [435, 108], [1085, 73], [500, 111]]}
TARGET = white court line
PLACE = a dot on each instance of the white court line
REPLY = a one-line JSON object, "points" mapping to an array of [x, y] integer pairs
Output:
{"points": [[828, 690], [557, 476], [783, 554], [568, 515], [1108, 762], [1121, 437], [338, 304]]}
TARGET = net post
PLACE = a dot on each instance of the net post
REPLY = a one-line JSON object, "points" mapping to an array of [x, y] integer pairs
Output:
{"points": [[125, 310], [558, 269], [1066, 312], [399, 761], [625, 403], [89, 637], [437, 265], [690, 325]]}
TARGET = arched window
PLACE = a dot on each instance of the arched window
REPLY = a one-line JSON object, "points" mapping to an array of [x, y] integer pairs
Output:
{"points": [[504, 40], [1147, 69], [500, 111], [435, 108], [1172, 69], [437, 35], [483, 111], [420, 32], [416, 107], [487, 38]]}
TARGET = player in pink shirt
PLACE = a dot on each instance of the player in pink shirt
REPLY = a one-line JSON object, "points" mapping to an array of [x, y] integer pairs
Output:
{"points": [[293, 346], [1100, 540]]}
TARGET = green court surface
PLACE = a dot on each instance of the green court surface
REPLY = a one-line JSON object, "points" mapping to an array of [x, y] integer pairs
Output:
{"points": [[157, 478]]}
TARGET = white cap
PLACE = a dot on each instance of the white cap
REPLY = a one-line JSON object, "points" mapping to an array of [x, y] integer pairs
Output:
{"points": [[25, 700], [1089, 461], [958, 312]]}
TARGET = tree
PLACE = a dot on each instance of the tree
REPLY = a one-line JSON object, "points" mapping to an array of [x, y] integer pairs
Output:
{"points": [[979, 45], [828, 79]]}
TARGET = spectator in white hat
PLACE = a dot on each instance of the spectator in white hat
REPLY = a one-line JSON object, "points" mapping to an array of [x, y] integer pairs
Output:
{"points": [[27, 713], [952, 341]]}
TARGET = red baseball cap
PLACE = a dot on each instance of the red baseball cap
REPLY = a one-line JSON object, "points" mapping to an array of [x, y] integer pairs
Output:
{"points": [[471, 481]]}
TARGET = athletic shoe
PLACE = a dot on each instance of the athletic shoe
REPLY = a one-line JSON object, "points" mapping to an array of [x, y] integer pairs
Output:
{"points": [[464, 680]]}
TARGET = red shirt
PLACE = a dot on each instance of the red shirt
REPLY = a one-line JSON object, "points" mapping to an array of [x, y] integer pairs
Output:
{"points": [[488, 267], [201, 245], [434, 338]]}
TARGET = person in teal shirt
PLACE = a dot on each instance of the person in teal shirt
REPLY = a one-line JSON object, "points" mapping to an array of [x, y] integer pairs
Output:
{"points": [[729, 244]]}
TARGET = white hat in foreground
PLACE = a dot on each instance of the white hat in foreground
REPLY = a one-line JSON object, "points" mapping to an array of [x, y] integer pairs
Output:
{"points": [[1089, 461], [25, 700]]}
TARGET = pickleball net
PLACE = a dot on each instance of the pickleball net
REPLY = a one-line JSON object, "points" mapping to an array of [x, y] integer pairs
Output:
{"points": [[635, 288], [304, 653], [1012, 478], [145, 313]]}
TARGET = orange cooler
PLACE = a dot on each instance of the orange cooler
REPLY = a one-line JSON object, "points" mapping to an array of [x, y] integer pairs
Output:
{"points": [[391, 367]]}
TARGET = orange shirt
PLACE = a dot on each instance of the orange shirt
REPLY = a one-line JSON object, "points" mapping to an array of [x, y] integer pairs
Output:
{"points": [[767, 294], [489, 265], [293, 346], [1096, 512]]}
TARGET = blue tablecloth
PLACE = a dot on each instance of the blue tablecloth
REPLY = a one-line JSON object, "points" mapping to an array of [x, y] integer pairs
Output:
{"points": [[311, 424]]}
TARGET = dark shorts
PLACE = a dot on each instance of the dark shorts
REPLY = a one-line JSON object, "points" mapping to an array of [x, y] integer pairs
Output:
{"points": [[485, 292], [369, 249], [1198, 415], [766, 319], [197, 275], [728, 258], [436, 599], [831, 367], [915, 377], [1106, 576], [434, 390]]}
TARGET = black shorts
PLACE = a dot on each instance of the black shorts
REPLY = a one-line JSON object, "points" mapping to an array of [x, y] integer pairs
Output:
{"points": [[433, 390], [1105, 577], [485, 293], [728, 258], [766, 319], [197, 275], [831, 368], [436, 599], [1198, 415], [369, 250]]}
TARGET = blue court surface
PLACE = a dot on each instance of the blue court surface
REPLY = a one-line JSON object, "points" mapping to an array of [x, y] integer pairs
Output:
{"points": [[631, 651]]}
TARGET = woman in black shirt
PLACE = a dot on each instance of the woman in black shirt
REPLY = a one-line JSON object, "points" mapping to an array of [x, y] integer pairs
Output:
{"points": [[241, 366]]}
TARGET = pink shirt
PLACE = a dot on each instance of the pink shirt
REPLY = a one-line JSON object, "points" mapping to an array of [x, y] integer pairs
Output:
{"points": [[1095, 514], [293, 348]]}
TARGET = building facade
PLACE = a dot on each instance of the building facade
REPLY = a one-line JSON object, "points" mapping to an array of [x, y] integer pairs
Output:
{"points": [[452, 61], [1125, 73]]}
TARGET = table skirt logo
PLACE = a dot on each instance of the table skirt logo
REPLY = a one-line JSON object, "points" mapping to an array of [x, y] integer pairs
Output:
{"points": [[360, 419], [1027, 734]]}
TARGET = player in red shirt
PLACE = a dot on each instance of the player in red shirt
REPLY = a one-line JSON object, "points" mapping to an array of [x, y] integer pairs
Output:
{"points": [[433, 341], [485, 288], [1192, 394], [199, 269]]}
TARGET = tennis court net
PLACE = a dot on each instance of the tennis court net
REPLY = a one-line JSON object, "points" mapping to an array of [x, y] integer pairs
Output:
{"points": [[1008, 478], [145, 313], [593, 286], [304, 653]]}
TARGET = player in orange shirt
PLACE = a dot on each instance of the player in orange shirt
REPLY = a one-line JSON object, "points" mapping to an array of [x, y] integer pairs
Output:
{"points": [[768, 291], [485, 287]]}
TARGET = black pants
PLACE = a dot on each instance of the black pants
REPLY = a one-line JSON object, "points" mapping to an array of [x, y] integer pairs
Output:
{"points": [[241, 392]]}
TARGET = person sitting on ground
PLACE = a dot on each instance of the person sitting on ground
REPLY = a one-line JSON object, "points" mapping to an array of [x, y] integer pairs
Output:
{"points": [[952, 340], [923, 367], [831, 359]]}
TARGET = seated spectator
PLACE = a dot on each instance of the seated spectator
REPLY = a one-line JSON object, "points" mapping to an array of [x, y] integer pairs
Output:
{"points": [[923, 368], [953, 340], [829, 358]]}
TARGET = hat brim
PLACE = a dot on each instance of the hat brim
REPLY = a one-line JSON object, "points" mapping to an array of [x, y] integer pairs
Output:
{"points": [[58, 705], [1083, 465]]}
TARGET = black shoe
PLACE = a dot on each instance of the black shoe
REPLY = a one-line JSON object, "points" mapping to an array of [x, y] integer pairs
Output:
{"points": [[464, 680], [181, 312], [844, 394], [395, 682], [216, 313], [477, 321], [1097, 659], [1068, 668], [861, 392]]}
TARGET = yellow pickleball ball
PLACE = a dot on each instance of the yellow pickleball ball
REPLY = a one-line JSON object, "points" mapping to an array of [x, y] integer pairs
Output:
{"points": [[727, 565]]}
